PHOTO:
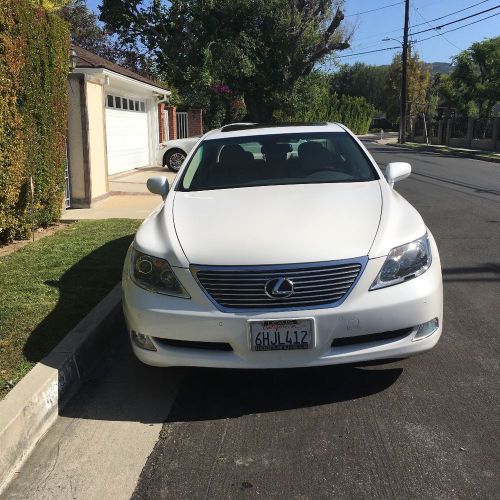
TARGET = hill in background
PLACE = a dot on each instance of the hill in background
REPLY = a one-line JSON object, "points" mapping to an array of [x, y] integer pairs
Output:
{"points": [[440, 67]]}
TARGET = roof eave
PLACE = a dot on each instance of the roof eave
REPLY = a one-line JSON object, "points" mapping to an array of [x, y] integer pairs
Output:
{"points": [[128, 79]]}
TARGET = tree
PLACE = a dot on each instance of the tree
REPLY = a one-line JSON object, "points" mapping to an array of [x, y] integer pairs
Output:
{"points": [[435, 94], [418, 86], [474, 84], [258, 48], [50, 4], [362, 80], [87, 33]]}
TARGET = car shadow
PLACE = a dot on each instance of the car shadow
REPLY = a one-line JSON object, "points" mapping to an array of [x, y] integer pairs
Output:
{"points": [[220, 394], [123, 389], [80, 289]]}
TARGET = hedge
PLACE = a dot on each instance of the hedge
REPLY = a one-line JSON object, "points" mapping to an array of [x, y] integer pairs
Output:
{"points": [[354, 112], [312, 101], [34, 64]]}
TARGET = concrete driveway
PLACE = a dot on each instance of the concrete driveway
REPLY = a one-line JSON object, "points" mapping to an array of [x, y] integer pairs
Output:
{"points": [[134, 181], [129, 197]]}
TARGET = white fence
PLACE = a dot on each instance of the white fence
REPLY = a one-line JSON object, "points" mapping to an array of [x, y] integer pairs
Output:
{"points": [[182, 124]]}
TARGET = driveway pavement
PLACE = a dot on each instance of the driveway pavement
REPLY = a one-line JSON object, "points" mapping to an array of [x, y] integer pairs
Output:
{"points": [[134, 181], [426, 427], [129, 197]]}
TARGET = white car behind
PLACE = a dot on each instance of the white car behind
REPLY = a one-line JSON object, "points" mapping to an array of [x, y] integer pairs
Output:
{"points": [[171, 154], [282, 247]]}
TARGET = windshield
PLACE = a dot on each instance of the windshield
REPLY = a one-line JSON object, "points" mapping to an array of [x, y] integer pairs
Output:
{"points": [[299, 158]]}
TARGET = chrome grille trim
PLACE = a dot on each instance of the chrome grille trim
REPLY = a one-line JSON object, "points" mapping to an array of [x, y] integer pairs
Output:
{"points": [[237, 275], [316, 285]]}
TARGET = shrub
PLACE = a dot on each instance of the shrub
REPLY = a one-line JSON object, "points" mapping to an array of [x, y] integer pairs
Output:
{"points": [[312, 101], [34, 64]]}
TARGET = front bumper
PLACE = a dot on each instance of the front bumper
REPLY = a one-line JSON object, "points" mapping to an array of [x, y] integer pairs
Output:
{"points": [[364, 312]]}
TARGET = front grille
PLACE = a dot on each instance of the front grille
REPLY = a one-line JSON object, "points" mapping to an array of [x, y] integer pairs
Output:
{"points": [[314, 285]]}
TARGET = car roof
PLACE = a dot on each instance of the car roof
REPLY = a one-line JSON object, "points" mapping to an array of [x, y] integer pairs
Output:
{"points": [[255, 129]]}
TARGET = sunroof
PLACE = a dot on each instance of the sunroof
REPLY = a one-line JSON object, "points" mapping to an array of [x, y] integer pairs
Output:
{"points": [[246, 126]]}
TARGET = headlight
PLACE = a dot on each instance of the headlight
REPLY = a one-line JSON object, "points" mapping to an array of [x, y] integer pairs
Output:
{"points": [[155, 274], [404, 263]]}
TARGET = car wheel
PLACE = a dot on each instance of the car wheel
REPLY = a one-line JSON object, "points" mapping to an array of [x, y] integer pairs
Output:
{"points": [[173, 159]]}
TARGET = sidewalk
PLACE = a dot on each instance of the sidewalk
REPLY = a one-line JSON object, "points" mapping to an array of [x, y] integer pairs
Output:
{"points": [[129, 197], [476, 154], [376, 136]]}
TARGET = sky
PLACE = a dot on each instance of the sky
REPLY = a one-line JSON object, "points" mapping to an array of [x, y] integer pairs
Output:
{"points": [[371, 27]]}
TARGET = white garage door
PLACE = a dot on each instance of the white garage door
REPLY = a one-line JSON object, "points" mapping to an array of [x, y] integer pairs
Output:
{"points": [[127, 134]]}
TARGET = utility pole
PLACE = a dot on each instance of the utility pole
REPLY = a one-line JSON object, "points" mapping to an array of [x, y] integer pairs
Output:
{"points": [[404, 85]]}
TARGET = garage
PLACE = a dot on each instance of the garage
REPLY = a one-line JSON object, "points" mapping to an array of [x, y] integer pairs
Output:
{"points": [[114, 121], [127, 133]]}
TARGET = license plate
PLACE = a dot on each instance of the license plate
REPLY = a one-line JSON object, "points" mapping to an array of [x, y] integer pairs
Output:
{"points": [[282, 335]]}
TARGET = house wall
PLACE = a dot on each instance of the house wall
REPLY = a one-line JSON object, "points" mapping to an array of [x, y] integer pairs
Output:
{"points": [[75, 140], [172, 122], [162, 128], [195, 122], [154, 130], [86, 140], [97, 140]]}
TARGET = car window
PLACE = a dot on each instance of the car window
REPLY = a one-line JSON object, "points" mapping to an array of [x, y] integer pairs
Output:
{"points": [[299, 158]]}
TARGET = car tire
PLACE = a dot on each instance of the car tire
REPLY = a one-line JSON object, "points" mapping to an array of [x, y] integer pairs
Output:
{"points": [[173, 159]]}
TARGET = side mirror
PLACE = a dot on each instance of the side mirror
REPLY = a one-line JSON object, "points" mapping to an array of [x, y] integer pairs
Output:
{"points": [[158, 185], [397, 171]]}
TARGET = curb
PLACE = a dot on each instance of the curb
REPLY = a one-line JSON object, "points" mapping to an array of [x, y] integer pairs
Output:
{"points": [[30, 409], [461, 154]]}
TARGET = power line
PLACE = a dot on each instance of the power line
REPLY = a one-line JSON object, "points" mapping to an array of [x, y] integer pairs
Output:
{"points": [[456, 21], [423, 39], [421, 24], [374, 10], [459, 28], [428, 23], [369, 52], [433, 36], [355, 47], [446, 15]]}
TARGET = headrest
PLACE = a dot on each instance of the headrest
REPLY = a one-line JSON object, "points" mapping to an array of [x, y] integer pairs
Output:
{"points": [[314, 153], [232, 153], [276, 148], [308, 149]]}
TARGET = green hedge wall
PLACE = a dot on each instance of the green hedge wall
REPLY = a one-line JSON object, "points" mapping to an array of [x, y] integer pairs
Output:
{"points": [[354, 112], [312, 101], [34, 64]]}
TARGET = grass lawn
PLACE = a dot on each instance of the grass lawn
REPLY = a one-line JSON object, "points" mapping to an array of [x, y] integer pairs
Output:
{"points": [[47, 286]]}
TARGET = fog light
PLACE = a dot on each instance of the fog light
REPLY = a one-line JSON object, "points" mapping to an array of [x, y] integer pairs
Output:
{"points": [[143, 341], [426, 329]]}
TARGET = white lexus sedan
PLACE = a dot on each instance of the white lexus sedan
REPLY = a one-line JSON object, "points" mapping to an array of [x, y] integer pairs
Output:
{"points": [[282, 246]]}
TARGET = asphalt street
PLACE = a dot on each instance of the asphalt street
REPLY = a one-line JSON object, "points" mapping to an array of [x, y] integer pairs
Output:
{"points": [[425, 427]]}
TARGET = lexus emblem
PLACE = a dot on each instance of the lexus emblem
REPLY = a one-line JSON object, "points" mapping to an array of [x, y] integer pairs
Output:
{"points": [[278, 288]]}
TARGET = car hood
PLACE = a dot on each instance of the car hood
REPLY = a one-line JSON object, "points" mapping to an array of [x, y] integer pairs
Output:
{"points": [[278, 224]]}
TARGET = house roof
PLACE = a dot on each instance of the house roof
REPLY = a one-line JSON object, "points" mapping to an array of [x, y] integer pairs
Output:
{"points": [[87, 59]]}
